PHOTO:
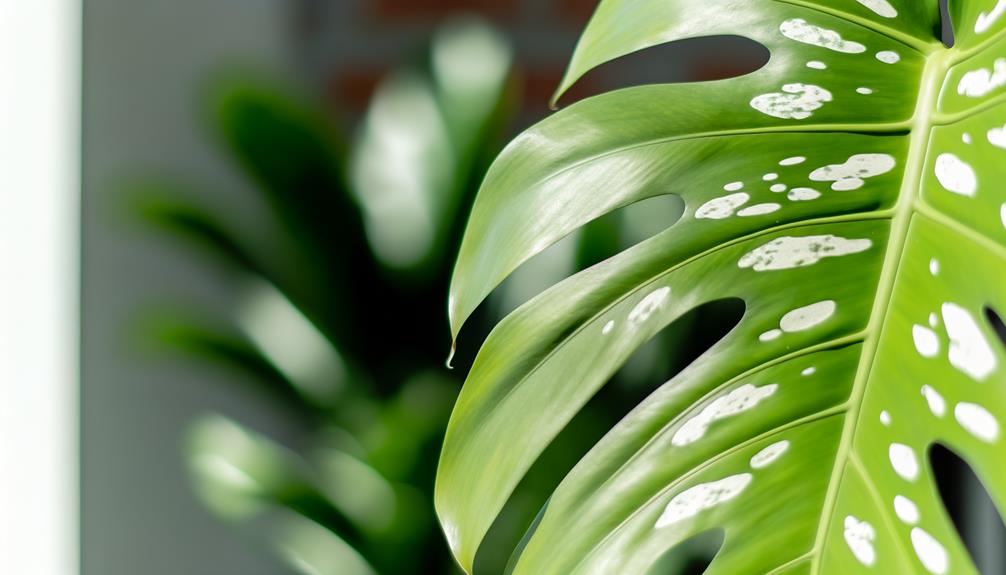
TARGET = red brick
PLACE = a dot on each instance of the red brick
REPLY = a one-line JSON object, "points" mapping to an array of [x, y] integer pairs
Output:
{"points": [[577, 12], [424, 10], [351, 90], [538, 85]]}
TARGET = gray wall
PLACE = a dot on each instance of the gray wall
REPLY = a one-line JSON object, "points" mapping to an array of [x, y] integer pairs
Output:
{"points": [[144, 62]]}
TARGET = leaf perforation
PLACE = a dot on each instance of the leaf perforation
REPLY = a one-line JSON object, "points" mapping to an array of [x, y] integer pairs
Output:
{"points": [[833, 411], [590, 321], [834, 344]]}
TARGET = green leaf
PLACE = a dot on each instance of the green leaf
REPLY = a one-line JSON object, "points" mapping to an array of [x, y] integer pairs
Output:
{"points": [[421, 141], [241, 475], [849, 193]]}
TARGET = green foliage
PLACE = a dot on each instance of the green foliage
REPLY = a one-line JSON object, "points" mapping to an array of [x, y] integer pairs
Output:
{"points": [[324, 288], [849, 194]]}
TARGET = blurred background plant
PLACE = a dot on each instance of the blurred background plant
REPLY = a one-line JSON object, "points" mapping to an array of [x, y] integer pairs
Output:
{"points": [[363, 235], [338, 253], [340, 317]]}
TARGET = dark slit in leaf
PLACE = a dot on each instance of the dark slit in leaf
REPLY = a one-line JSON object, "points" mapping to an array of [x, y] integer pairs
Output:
{"points": [[996, 321], [972, 510], [668, 353], [947, 32], [627, 226], [594, 242], [690, 557], [691, 60]]}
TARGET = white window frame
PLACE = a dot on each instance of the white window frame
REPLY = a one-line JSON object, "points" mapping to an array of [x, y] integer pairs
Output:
{"points": [[39, 285]]}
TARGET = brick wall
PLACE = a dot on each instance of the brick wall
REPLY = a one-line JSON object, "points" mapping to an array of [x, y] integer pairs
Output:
{"points": [[346, 46]]}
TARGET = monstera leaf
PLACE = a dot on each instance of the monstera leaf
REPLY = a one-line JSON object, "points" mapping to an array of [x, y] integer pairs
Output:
{"points": [[850, 194]]}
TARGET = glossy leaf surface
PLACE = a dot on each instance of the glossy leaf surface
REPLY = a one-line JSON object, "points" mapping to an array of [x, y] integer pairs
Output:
{"points": [[850, 193]]}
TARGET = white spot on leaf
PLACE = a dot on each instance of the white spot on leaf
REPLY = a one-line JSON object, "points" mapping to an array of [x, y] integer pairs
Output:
{"points": [[966, 138], [770, 177], [649, 304], [733, 186], [767, 456], [934, 267], [885, 418], [778, 188], [888, 57], [969, 351], [926, 341], [737, 401], [987, 19], [800, 30], [795, 160], [850, 175], [881, 7], [721, 208], [758, 210], [859, 536], [955, 175], [770, 335], [608, 327], [977, 421], [904, 462], [906, 510], [997, 137], [803, 194], [789, 252], [809, 371], [697, 499], [817, 65], [795, 102], [930, 552], [937, 404], [804, 318], [864, 91], [980, 82]]}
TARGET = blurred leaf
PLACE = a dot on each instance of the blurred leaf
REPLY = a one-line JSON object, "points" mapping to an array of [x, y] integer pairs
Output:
{"points": [[170, 207], [192, 337], [314, 550], [419, 412], [402, 170], [421, 139], [240, 473], [292, 343], [357, 489], [291, 149], [470, 64]]}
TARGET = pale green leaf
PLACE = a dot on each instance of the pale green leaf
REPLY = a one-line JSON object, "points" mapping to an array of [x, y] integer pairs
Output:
{"points": [[849, 192]]}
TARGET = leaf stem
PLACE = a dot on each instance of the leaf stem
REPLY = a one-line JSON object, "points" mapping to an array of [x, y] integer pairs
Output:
{"points": [[932, 80]]}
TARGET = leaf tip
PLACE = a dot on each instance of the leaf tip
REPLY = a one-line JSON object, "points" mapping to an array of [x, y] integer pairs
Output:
{"points": [[450, 356]]}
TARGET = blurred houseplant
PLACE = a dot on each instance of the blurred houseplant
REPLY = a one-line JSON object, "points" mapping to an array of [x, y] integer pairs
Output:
{"points": [[342, 306]]}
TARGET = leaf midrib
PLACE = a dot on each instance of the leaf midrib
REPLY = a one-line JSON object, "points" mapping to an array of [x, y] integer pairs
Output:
{"points": [[933, 77]]}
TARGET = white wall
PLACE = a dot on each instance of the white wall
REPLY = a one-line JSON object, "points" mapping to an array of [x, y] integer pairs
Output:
{"points": [[39, 119]]}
